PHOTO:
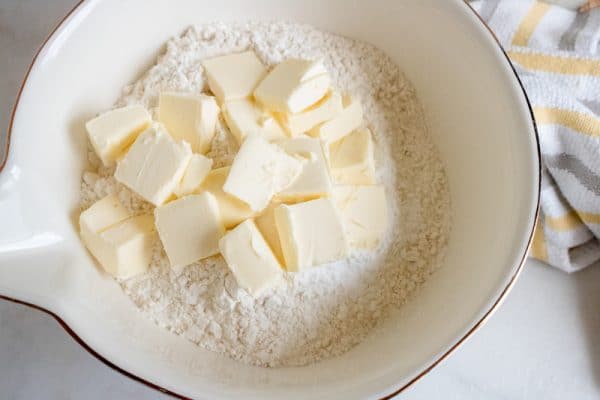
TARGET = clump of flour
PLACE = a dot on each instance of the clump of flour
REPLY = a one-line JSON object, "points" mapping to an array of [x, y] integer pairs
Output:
{"points": [[327, 310]]}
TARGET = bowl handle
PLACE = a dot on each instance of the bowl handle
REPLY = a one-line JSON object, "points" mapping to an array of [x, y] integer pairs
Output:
{"points": [[29, 254]]}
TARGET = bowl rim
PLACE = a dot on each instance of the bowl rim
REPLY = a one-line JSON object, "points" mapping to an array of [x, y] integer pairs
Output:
{"points": [[488, 313]]}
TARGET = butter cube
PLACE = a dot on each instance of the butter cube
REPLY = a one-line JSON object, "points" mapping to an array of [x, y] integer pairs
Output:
{"points": [[234, 76], [265, 222], [189, 228], [112, 132], [293, 86], [233, 210], [324, 110], [363, 210], [314, 180], [102, 215], [245, 118], [196, 172], [128, 246], [122, 244], [259, 171], [349, 119], [154, 165], [311, 234], [250, 259], [190, 117], [351, 159]]}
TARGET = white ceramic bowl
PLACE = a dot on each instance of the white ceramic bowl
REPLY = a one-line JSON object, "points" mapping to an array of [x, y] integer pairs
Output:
{"points": [[477, 114]]}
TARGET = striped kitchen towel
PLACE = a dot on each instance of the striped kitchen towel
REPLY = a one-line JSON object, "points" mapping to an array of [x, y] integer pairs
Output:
{"points": [[556, 52]]}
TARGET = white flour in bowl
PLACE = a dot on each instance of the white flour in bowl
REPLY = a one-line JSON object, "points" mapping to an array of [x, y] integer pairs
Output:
{"points": [[327, 310]]}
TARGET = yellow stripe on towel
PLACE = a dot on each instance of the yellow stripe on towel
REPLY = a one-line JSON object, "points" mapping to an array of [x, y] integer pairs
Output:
{"points": [[529, 23], [575, 120], [556, 64], [571, 220], [538, 245], [566, 222], [589, 218]]}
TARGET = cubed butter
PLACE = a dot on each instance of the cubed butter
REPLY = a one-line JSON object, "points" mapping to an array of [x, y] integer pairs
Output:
{"points": [[314, 180], [349, 119], [363, 210], [326, 109], [112, 132], [128, 246], [250, 259], [293, 86], [233, 210], [265, 222], [259, 171], [311, 234], [122, 244], [351, 159], [234, 76], [190, 117], [102, 215], [195, 173], [154, 165], [244, 117], [190, 228]]}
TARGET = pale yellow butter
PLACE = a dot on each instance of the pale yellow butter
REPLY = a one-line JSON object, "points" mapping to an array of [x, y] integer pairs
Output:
{"points": [[122, 244], [311, 234], [233, 210], [190, 228], [259, 171], [130, 246], [363, 210], [245, 118], [154, 165], [112, 132], [234, 76], [265, 222], [351, 159], [196, 172], [326, 109], [250, 259], [103, 214], [293, 86], [349, 119], [190, 117], [314, 180]]}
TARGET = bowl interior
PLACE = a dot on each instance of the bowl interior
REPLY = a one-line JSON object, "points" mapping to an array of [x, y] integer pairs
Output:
{"points": [[477, 115]]}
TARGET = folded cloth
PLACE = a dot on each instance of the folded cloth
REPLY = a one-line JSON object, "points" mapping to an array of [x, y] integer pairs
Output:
{"points": [[556, 52]]}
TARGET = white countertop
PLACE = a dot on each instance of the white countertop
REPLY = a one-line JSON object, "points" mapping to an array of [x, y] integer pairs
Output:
{"points": [[543, 342]]}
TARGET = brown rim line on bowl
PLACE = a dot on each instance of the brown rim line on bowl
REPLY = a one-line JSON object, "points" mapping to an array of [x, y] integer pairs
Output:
{"points": [[425, 370]]}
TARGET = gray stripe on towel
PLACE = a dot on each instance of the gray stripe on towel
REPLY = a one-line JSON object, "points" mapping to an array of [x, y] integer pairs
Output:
{"points": [[575, 167]]}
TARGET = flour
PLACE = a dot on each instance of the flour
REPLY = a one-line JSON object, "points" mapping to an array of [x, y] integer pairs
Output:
{"points": [[324, 311]]}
